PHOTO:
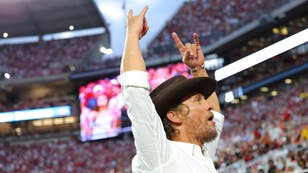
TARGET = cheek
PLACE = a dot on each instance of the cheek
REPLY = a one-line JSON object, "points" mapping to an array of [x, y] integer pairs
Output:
{"points": [[197, 116]]}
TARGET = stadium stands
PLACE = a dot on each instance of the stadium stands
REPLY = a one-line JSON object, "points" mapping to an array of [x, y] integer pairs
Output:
{"points": [[45, 58], [265, 123], [253, 131], [212, 20], [263, 132]]}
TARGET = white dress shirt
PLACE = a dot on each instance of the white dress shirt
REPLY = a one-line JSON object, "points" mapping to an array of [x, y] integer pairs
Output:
{"points": [[155, 153]]}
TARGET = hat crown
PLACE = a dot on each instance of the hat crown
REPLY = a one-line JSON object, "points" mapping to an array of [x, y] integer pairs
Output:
{"points": [[171, 92], [168, 83]]}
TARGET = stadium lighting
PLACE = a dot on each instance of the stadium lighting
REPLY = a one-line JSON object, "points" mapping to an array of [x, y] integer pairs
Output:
{"points": [[18, 131], [74, 33], [274, 93], [105, 50], [244, 97], [69, 120], [37, 123], [235, 101], [229, 96], [5, 35], [288, 81], [71, 27], [7, 75], [262, 55], [264, 89], [47, 122], [58, 121]]}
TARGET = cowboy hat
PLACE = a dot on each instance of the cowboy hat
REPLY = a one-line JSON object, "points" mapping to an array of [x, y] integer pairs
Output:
{"points": [[172, 92]]}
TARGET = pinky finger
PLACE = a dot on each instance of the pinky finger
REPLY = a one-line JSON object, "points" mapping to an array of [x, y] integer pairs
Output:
{"points": [[196, 40]]}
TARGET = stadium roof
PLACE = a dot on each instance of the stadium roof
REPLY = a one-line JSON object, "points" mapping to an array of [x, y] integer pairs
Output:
{"points": [[38, 17]]}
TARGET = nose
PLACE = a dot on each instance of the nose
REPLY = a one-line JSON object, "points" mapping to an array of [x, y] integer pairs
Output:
{"points": [[208, 105]]}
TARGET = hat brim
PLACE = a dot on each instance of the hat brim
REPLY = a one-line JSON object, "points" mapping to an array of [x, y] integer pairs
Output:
{"points": [[165, 96]]}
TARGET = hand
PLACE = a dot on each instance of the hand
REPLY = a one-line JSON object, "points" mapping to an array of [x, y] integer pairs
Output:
{"points": [[192, 54], [137, 24]]}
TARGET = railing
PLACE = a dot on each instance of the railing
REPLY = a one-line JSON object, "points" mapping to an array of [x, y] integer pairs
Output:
{"points": [[241, 166]]}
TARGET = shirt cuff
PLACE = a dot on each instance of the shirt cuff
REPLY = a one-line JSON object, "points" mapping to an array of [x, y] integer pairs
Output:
{"points": [[218, 116], [135, 78], [219, 120]]}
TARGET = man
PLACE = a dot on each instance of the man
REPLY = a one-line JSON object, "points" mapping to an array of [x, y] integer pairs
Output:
{"points": [[171, 124]]}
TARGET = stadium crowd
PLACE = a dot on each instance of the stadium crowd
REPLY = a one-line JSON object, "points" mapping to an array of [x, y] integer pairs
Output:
{"points": [[44, 58], [275, 127], [259, 72], [213, 20], [163, 46], [262, 125], [68, 156]]}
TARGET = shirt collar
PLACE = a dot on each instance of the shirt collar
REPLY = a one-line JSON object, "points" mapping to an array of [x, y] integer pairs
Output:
{"points": [[189, 148]]}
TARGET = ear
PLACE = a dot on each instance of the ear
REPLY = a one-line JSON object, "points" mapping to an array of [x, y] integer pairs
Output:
{"points": [[174, 117]]}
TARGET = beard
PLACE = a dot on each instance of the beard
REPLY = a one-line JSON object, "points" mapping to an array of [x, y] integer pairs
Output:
{"points": [[208, 135]]}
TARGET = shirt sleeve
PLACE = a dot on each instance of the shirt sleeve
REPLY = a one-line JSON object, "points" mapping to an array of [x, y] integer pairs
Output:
{"points": [[211, 147], [147, 128]]}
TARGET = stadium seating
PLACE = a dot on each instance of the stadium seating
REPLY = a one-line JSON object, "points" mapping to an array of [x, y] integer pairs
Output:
{"points": [[261, 125], [262, 131], [44, 58]]}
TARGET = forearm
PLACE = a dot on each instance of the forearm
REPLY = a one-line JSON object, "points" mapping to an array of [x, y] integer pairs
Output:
{"points": [[150, 137], [132, 58], [201, 72]]}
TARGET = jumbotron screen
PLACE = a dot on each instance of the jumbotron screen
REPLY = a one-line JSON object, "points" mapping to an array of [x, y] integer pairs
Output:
{"points": [[102, 110]]}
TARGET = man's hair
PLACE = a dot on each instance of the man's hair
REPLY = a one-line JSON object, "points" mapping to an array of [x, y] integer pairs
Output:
{"points": [[168, 125]]}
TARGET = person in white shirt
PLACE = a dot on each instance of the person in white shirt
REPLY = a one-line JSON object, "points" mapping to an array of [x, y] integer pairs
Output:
{"points": [[176, 126]]}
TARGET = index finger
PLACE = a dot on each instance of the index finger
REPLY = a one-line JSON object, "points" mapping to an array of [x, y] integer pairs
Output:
{"points": [[178, 42], [144, 10], [130, 13]]}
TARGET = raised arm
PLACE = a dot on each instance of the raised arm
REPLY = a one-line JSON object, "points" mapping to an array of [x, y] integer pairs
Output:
{"points": [[136, 28], [193, 57], [150, 138]]}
